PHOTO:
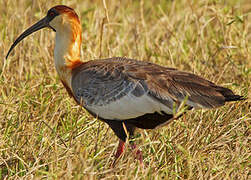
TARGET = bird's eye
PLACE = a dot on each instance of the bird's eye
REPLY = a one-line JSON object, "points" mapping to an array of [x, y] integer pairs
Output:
{"points": [[51, 13]]}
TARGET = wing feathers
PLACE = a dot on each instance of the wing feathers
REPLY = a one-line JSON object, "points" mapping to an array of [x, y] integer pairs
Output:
{"points": [[120, 88], [200, 92]]}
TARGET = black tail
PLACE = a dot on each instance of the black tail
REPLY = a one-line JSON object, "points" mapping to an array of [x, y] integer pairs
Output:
{"points": [[234, 98], [229, 95]]}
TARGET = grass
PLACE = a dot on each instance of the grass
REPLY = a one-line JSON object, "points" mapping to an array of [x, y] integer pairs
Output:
{"points": [[44, 134]]}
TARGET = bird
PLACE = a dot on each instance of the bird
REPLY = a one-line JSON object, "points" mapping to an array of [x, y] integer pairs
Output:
{"points": [[124, 93]]}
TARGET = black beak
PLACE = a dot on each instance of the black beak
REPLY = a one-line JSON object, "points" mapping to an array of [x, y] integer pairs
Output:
{"points": [[39, 25]]}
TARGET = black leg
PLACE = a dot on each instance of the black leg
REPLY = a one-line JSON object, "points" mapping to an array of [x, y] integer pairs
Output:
{"points": [[118, 128]]}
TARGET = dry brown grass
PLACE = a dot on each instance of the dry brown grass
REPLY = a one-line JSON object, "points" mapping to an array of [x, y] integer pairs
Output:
{"points": [[44, 134]]}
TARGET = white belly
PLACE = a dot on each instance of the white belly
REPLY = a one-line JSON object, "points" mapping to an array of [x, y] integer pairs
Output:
{"points": [[129, 107]]}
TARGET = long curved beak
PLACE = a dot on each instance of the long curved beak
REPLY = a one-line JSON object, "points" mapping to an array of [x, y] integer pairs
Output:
{"points": [[39, 25]]}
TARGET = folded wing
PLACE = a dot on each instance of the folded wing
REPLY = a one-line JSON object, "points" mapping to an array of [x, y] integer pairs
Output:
{"points": [[120, 89]]}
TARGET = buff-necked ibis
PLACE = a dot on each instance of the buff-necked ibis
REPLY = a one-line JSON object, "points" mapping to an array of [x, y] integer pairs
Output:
{"points": [[124, 93]]}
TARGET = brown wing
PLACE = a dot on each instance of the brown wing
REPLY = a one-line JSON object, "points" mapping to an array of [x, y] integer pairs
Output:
{"points": [[165, 83], [120, 88]]}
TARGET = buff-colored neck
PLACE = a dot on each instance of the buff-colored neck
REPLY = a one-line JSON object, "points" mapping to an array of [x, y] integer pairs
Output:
{"points": [[67, 49]]}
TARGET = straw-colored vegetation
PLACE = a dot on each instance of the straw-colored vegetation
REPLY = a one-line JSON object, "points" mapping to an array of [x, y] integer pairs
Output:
{"points": [[44, 134]]}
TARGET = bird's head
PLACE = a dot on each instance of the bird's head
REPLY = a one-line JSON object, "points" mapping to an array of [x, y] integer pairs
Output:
{"points": [[59, 18]]}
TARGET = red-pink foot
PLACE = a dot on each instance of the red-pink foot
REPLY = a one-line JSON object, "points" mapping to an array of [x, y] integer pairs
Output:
{"points": [[119, 152], [138, 154]]}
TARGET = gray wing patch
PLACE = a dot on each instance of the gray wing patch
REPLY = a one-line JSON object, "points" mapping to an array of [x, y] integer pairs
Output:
{"points": [[99, 88]]}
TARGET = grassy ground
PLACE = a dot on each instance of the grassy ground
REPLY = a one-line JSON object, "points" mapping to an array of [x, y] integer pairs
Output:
{"points": [[44, 134]]}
